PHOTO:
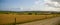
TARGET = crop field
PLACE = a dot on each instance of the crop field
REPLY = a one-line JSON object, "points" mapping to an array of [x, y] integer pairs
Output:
{"points": [[18, 18]]}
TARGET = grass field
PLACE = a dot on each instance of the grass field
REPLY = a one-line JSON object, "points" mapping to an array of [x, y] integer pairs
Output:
{"points": [[10, 18]]}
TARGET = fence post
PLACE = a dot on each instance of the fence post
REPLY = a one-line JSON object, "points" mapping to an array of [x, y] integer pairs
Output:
{"points": [[15, 21]]}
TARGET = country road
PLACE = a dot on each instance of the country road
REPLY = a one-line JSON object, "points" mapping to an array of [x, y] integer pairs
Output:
{"points": [[52, 21]]}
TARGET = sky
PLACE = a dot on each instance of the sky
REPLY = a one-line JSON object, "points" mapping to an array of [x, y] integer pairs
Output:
{"points": [[30, 5]]}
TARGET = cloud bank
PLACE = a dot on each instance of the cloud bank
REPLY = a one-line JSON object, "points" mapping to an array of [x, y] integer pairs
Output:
{"points": [[46, 5]]}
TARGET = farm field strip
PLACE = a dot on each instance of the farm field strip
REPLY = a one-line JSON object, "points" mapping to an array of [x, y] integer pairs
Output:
{"points": [[10, 18]]}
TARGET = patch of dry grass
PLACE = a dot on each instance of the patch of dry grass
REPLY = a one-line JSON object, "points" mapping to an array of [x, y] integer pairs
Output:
{"points": [[10, 18]]}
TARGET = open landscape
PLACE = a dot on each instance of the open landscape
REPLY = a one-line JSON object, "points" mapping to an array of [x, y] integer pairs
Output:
{"points": [[11, 18], [29, 12]]}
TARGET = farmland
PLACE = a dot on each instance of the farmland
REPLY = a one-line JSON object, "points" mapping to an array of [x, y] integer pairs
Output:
{"points": [[22, 17]]}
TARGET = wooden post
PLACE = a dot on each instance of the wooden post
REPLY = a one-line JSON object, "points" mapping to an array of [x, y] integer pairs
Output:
{"points": [[15, 21]]}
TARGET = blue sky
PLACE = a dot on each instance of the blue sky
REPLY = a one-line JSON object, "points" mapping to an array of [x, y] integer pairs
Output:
{"points": [[6, 4], [16, 3], [29, 5]]}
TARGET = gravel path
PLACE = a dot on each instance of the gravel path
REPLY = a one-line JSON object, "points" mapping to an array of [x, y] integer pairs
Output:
{"points": [[52, 21]]}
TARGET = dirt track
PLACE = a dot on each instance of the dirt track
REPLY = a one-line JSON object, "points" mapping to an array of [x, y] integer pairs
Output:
{"points": [[52, 21]]}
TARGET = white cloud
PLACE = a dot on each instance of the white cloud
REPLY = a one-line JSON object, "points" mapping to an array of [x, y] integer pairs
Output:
{"points": [[47, 8], [37, 6], [52, 4], [47, 5]]}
